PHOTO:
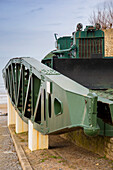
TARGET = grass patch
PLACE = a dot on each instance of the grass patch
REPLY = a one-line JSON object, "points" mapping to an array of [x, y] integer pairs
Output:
{"points": [[61, 161], [55, 157], [42, 153], [103, 157], [43, 160], [52, 156]]}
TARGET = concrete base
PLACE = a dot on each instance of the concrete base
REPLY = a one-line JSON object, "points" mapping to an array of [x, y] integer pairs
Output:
{"points": [[11, 112], [35, 139], [21, 126]]}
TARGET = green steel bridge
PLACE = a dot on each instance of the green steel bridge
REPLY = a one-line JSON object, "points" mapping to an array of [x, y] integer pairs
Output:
{"points": [[54, 103]]}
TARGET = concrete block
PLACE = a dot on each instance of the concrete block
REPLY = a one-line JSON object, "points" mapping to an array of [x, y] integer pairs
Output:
{"points": [[21, 126], [11, 112], [35, 139]]}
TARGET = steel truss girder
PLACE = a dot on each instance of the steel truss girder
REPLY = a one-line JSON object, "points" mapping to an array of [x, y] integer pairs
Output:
{"points": [[54, 103]]}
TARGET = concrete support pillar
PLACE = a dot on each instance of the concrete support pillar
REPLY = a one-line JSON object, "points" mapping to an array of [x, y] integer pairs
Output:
{"points": [[35, 139], [21, 126], [11, 112]]}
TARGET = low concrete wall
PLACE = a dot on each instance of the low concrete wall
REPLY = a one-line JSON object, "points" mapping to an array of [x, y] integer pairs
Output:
{"points": [[99, 144]]}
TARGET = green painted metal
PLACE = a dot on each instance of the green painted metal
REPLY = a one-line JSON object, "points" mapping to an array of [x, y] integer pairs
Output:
{"points": [[105, 128], [64, 43], [89, 42], [105, 111], [64, 46], [54, 103]]}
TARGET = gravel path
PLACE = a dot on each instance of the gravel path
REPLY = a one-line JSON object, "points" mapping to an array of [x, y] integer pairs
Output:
{"points": [[8, 156]]}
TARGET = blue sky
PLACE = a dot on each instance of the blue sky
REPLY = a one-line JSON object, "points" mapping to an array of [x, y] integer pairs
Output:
{"points": [[27, 27]]}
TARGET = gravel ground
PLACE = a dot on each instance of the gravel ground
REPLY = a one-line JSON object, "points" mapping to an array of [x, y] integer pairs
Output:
{"points": [[61, 155], [8, 156], [64, 155]]}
